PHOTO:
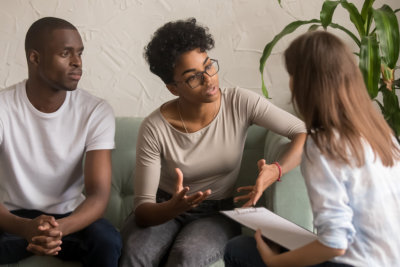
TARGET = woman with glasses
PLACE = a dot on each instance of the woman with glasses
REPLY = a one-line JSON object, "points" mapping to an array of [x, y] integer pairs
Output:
{"points": [[189, 152]]}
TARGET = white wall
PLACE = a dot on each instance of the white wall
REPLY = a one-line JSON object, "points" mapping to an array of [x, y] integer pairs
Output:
{"points": [[115, 31]]}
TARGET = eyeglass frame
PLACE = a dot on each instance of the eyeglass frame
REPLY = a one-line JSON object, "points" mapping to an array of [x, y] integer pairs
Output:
{"points": [[201, 75]]}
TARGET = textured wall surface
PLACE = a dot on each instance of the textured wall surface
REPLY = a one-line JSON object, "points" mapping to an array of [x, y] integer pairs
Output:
{"points": [[114, 33]]}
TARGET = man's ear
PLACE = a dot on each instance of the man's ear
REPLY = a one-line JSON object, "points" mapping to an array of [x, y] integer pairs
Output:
{"points": [[172, 88], [33, 57]]}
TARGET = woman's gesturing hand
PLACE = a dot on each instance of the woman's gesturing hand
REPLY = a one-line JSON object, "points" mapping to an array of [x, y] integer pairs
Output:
{"points": [[267, 175], [181, 200]]}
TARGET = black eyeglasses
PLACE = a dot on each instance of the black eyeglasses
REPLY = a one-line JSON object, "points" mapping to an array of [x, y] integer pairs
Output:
{"points": [[198, 78]]}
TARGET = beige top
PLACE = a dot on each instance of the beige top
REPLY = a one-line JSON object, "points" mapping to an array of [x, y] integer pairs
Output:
{"points": [[209, 158]]}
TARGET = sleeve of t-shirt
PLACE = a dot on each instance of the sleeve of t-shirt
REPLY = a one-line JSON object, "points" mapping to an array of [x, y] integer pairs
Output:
{"points": [[101, 128], [261, 112], [326, 186], [148, 165]]}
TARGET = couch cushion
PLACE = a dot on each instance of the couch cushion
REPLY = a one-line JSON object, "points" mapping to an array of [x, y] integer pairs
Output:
{"points": [[123, 167]]}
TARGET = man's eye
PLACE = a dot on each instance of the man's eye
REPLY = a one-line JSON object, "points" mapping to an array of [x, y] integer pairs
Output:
{"points": [[65, 54], [208, 66]]}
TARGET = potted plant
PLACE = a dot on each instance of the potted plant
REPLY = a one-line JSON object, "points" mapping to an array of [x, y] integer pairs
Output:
{"points": [[377, 38]]}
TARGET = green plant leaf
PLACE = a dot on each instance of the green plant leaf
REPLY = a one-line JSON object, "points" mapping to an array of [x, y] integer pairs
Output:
{"points": [[397, 10], [355, 39], [313, 27], [390, 101], [387, 31], [394, 123], [370, 64], [391, 110], [328, 8], [368, 23], [380, 106], [366, 8], [291, 27], [387, 76], [355, 16]]}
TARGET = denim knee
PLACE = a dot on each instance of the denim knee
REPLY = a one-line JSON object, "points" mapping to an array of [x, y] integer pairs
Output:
{"points": [[242, 251], [103, 243]]}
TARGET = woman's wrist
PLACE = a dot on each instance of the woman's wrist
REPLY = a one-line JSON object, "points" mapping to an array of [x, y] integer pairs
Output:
{"points": [[278, 166]]}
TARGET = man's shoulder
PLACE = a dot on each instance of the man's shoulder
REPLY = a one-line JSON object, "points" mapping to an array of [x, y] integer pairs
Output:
{"points": [[85, 100], [10, 90], [9, 94], [83, 95]]}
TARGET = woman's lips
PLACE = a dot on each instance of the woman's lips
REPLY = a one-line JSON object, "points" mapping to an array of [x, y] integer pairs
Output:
{"points": [[211, 91]]}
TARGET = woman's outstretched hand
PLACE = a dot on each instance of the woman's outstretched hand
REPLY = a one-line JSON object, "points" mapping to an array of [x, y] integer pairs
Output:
{"points": [[267, 175], [183, 202]]}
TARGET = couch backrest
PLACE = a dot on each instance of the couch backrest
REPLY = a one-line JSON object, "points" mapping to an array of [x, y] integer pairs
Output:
{"points": [[123, 164]]}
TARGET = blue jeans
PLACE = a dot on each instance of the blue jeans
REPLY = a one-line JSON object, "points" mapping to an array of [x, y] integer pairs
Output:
{"points": [[99, 244], [242, 252], [195, 238]]}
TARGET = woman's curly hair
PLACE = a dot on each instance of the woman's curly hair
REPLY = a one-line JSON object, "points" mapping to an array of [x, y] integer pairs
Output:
{"points": [[172, 40]]}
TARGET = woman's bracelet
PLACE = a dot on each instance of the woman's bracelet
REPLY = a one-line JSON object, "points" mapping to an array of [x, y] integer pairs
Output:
{"points": [[280, 170]]}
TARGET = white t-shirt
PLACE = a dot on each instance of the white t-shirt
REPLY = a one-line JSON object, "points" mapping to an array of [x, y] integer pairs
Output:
{"points": [[41, 154]]}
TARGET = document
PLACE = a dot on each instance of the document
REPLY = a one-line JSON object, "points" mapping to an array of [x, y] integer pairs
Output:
{"points": [[272, 226]]}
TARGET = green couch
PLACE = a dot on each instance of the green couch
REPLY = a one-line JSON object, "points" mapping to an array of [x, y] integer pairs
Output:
{"points": [[287, 198]]}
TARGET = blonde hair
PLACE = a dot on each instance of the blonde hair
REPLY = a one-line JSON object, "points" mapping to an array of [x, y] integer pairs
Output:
{"points": [[328, 91]]}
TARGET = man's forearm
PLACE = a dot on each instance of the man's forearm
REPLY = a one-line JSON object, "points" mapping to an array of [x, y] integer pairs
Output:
{"points": [[97, 173], [11, 223], [86, 213]]}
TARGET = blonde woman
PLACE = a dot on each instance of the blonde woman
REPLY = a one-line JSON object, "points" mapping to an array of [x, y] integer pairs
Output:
{"points": [[350, 165]]}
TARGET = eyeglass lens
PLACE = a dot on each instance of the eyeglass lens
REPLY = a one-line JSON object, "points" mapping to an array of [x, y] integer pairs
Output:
{"points": [[210, 70]]}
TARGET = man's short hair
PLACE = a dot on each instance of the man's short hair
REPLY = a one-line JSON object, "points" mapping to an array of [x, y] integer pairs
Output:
{"points": [[36, 35]]}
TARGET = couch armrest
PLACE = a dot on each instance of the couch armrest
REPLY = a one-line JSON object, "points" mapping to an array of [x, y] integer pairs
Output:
{"points": [[289, 197]]}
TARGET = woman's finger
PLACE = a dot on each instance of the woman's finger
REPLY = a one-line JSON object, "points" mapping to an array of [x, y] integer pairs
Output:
{"points": [[246, 188], [179, 180], [260, 164]]}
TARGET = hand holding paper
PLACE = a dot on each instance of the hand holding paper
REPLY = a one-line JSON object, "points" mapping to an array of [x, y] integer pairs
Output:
{"points": [[272, 226]]}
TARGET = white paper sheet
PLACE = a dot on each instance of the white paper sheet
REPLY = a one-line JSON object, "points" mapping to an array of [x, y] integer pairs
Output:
{"points": [[273, 227]]}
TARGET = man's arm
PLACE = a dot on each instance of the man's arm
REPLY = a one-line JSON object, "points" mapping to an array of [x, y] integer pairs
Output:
{"points": [[29, 228], [97, 175], [12, 224]]}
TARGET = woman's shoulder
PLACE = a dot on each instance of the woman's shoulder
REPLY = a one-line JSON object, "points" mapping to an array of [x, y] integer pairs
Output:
{"points": [[153, 120], [237, 94]]}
